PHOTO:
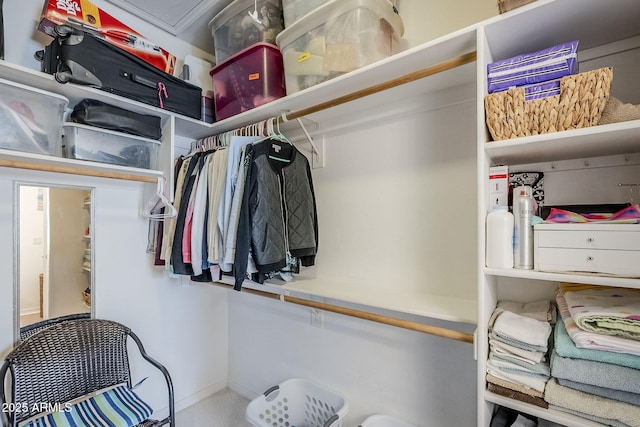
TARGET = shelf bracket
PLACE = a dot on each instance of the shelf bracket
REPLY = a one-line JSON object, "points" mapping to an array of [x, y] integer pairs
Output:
{"points": [[317, 153]]}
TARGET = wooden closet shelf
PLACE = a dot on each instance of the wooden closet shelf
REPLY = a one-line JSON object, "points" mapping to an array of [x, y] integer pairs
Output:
{"points": [[77, 170]]}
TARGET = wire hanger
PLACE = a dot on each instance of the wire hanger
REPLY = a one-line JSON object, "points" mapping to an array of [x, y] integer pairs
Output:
{"points": [[159, 201]]}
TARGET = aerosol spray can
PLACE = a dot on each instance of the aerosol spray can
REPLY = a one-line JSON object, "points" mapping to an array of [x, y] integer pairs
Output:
{"points": [[523, 230]]}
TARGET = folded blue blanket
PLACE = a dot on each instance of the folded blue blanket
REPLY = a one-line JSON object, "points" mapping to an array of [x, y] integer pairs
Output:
{"points": [[600, 374], [565, 347]]}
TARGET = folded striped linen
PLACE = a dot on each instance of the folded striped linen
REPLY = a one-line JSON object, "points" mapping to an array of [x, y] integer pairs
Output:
{"points": [[522, 331], [118, 406], [591, 340], [513, 364], [565, 347], [606, 310], [536, 383], [621, 396], [605, 411], [533, 356], [595, 373]]}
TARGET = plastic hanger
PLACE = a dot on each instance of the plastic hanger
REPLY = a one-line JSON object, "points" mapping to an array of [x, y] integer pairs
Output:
{"points": [[159, 201]]}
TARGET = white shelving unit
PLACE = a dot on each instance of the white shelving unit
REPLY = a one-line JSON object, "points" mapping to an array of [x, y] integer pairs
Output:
{"points": [[605, 29], [579, 165]]}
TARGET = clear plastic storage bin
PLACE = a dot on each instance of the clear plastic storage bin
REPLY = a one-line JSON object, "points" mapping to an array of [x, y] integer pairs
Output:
{"points": [[297, 402], [296, 9], [235, 29], [341, 36], [384, 421], [247, 80], [30, 119], [100, 145]]}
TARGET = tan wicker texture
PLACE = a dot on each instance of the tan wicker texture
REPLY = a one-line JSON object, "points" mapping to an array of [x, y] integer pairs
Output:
{"points": [[580, 104], [507, 5]]}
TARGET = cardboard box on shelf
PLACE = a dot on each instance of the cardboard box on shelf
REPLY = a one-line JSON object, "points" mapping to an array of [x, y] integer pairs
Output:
{"points": [[87, 16]]}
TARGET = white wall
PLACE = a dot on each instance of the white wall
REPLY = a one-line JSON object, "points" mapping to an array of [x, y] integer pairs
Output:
{"points": [[425, 20], [396, 203], [423, 379]]}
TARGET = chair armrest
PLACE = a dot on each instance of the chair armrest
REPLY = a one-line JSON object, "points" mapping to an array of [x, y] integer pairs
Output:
{"points": [[172, 418]]}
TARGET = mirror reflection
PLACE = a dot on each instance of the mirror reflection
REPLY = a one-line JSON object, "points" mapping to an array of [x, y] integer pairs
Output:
{"points": [[54, 260]]}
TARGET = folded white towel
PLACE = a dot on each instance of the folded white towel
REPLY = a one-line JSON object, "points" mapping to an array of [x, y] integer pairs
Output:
{"points": [[523, 329]]}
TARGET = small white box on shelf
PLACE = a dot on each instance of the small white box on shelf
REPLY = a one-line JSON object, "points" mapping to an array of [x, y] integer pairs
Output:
{"points": [[100, 145], [498, 186], [30, 119]]}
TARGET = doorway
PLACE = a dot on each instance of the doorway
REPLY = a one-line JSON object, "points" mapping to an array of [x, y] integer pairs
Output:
{"points": [[55, 252]]}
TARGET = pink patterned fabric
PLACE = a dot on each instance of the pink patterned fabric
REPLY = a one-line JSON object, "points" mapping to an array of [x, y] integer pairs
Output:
{"points": [[630, 214]]}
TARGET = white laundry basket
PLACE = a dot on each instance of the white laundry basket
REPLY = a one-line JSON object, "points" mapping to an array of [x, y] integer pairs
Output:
{"points": [[384, 421], [297, 402]]}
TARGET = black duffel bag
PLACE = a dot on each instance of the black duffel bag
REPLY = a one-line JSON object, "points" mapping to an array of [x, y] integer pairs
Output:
{"points": [[96, 113]]}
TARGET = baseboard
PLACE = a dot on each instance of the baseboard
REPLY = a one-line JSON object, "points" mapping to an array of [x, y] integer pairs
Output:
{"points": [[28, 311], [243, 390], [191, 399]]}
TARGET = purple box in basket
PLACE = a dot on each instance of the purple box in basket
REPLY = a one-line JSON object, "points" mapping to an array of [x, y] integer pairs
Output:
{"points": [[248, 79], [539, 90], [536, 67]]}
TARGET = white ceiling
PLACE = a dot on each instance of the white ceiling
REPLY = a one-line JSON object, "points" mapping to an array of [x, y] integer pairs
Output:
{"points": [[186, 19]]}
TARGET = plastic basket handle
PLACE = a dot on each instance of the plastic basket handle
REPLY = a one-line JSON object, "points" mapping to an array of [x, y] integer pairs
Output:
{"points": [[271, 390], [331, 420]]}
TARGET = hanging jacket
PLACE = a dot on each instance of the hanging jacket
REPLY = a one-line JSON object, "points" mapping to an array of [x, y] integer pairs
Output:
{"points": [[278, 213]]}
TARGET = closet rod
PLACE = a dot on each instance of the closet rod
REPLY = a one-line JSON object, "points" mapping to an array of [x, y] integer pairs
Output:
{"points": [[74, 171], [392, 321], [407, 78]]}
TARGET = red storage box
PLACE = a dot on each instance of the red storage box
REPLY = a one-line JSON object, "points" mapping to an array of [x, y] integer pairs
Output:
{"points": [[248, 79]]}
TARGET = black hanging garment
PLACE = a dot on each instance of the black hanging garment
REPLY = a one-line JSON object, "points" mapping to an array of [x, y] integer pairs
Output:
{"points": [[278, 218], [1, 30], [83, 58]]}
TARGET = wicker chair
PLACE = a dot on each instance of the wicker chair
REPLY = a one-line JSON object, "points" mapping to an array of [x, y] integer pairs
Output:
{"points": [[34, 328], [66, 359]]}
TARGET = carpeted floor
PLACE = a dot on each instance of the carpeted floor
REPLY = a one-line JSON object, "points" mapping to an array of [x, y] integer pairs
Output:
{"points": [[223, 409]]}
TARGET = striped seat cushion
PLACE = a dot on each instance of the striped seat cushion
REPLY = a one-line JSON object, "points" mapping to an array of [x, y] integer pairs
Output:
{"points": [[114, 407]]}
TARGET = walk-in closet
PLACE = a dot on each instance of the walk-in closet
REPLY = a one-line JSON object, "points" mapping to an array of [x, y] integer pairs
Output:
{"points": [[395, 310]]}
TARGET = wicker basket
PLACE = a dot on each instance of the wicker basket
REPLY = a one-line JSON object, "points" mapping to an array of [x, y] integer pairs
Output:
{"points": [[580, 103], [507, 5], [86, 298]]}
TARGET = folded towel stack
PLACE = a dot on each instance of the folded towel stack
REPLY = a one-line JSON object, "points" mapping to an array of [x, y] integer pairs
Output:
{"points": [[518, 366], [595, 362]]}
